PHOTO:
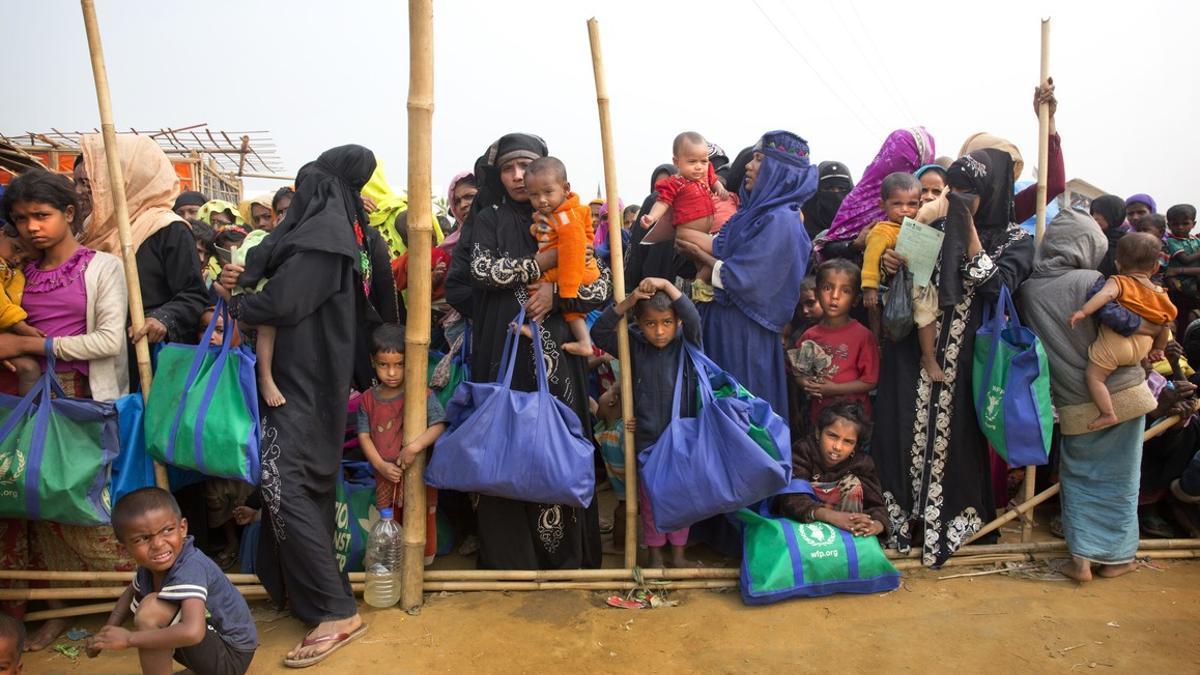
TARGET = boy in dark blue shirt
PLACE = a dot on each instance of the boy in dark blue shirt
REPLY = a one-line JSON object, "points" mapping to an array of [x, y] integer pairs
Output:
{"points": [[184, 608], [665, 318]]}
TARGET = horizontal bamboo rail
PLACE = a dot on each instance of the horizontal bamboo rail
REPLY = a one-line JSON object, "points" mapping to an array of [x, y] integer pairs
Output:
{"points": [[614, 574]]}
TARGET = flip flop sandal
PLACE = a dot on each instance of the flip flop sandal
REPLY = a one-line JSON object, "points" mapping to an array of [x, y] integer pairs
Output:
{"points": [[340, 640], [1156, 526]]}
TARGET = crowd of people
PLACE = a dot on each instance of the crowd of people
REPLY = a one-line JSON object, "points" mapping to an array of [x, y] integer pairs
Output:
{"points": [[776, 266]]}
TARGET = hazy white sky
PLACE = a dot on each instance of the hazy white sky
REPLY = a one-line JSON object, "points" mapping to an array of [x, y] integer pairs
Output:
{"points": [[319, 74]]}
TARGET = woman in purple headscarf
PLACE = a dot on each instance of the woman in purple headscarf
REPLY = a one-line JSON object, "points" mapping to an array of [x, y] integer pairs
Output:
{"points": [[758, 263], [904, 150]]}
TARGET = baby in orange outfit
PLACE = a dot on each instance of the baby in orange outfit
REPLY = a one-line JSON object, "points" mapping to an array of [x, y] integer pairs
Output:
{"points": [[1137, 259], [561, 222]]}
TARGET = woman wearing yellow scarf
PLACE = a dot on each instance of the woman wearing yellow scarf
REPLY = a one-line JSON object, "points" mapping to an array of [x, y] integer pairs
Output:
{"points": [[389, 205]]}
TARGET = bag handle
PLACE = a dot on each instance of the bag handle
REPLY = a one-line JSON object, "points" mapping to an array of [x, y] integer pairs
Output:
{"points": [[508, 358], [538, 360], [677, 397], [220, 312], [703, 364], [994, 316]]}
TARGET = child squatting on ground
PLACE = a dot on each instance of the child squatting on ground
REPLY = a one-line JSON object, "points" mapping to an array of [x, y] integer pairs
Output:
{"points": [[183, 606], [843, 479], [381, 429], [561, 222], [687, 195], [837, 359], [655, 349], [1137, 260]]}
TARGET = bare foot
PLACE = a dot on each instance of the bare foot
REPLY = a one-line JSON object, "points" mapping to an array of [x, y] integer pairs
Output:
{"points": [[1079, 569], [346, 626], [679, 560], [1113, 571], [270, 392], [47, 634], [577, 348], [931, 366], [656, 557], [1104, 420]]}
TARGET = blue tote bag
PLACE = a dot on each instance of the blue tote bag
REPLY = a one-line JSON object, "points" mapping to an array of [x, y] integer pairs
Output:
{"points": [[56, 454], [1011, 378], [709, 464], [133, 468], [518, 445]]}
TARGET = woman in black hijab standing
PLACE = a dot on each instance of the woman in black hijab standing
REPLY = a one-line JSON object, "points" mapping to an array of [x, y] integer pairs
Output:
{"points": [[835, 183], [934, 465], [322, 295], [494, 264]]}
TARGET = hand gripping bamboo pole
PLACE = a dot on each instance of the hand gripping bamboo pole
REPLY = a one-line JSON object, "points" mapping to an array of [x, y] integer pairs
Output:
{"points": [[116, 177], [615, 221], [420, 242], [1043, 168]]}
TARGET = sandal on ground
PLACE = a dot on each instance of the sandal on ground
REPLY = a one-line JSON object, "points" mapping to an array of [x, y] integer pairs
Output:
{"points": [[1056, 527], [339, 639], [1178, 493], [1156, 526], [226, 559]]}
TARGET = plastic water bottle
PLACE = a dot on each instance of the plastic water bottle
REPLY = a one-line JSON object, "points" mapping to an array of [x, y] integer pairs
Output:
{"points": [[384, 559]]}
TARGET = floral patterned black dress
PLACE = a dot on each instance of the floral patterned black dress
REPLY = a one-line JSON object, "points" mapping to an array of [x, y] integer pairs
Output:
{"points": [[932, 457], [515, 534]]}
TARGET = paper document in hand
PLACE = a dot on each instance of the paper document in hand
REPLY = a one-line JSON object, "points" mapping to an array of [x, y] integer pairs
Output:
{"points": [[921, 245]]}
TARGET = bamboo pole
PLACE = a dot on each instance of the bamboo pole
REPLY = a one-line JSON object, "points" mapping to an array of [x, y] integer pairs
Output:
{"points": [[420, 243], [1043, 135], [615, 222], [67, 612], [116, 177], [1011, 514], [1030, 484]]}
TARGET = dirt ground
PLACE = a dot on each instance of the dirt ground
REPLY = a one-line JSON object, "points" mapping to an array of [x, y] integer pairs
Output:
{"points": [[1146, 622]]}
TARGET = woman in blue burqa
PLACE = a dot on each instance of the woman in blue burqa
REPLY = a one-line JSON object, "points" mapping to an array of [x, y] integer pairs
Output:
{"points": [[758, 261]]}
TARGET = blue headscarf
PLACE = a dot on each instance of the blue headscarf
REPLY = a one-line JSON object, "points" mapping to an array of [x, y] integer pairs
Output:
{"points": [[764, 248]]}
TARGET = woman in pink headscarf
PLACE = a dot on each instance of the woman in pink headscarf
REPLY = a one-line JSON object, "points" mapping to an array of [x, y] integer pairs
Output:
{"points": [[904, 150], [459, 199]]}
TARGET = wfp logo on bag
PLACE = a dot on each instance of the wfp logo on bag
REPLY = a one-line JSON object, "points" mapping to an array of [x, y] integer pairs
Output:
{"points": [[11, 468], [995, 406], [819, 536]]}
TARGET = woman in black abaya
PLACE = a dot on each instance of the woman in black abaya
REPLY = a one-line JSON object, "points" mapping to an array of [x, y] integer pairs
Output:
{"points": [[934, 464], [325, 290], [494, 265]]}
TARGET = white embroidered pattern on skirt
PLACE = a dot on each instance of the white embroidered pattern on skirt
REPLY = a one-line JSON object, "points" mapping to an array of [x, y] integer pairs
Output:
{"points": [[272, 485]]}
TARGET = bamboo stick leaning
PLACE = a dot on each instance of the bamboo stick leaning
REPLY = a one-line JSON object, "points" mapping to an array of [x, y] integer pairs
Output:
{"points": [[615, 221], [1030, 484], [137, 314], [420, 246]]}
